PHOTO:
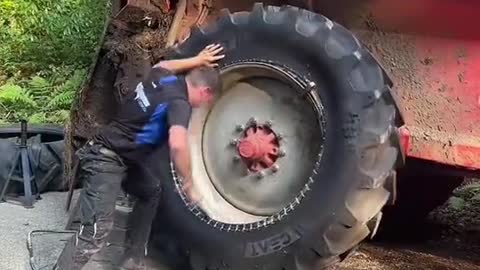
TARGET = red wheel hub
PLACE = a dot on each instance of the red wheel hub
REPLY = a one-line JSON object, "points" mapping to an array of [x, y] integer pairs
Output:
{"points": [[259, 148]]}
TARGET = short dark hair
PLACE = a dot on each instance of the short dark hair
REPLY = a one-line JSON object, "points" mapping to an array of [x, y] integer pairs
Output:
{"points": [[205, 76]]}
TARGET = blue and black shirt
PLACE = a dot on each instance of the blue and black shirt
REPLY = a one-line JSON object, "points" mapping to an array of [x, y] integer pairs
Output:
{"points": [[143, 120]]}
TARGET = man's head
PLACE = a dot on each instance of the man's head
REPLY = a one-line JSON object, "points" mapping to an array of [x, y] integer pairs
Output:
{"points": [[202, 83]]}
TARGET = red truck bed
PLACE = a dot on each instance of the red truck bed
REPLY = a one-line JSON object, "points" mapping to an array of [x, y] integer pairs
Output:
{"points": [[431, 50]]}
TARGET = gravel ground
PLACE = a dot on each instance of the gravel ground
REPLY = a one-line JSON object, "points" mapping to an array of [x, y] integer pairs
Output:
{"points": [[16, 222], [441, 253]]}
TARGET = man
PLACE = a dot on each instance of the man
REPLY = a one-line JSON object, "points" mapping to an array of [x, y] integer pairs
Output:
{"points": [[156, 112]]}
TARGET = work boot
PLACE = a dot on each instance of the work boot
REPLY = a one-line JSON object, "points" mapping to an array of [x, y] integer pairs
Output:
{"points": [[132, 263]]}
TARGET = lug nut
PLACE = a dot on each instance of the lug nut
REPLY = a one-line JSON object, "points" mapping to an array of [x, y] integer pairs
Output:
{"points": [[280, 137], [281, 153], [261, 175], [269, 123], [236, 158], [233, 142], [275, 168], [239, 128], [252, 121]]}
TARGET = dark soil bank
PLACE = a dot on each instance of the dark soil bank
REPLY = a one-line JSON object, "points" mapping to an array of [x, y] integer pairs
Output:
{"points": [[134, 41]]}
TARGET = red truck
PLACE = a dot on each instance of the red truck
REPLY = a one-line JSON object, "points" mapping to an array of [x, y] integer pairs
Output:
{"points": [[330, 112]]}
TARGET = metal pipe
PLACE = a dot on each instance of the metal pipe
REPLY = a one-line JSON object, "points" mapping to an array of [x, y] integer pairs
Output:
{"points": [[23, 133]]}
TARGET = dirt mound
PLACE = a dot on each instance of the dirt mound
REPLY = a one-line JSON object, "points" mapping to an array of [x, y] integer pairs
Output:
{"points": [[461, 214]]}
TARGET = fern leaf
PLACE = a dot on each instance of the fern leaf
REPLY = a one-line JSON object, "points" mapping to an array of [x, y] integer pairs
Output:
{"points": [[59, 117], [37, 118], [14, 95], [74, 82], [39, 82], [39, 87], [62, 101]]}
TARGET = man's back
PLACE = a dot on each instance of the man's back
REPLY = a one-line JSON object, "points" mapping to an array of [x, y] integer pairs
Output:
{"points": [[142, 122]]}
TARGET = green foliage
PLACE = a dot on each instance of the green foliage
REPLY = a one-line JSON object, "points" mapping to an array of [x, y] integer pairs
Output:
{"points": [[45, 50], [13, 95], [38, 33], [41, 99]]}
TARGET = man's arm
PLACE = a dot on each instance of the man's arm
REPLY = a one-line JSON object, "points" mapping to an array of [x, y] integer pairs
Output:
{"points": [[179, 113], [207, 57], [180, 151]]}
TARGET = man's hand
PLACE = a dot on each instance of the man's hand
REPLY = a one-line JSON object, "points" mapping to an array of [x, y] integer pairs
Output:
{"points": [[210, 55], [207, 57]]}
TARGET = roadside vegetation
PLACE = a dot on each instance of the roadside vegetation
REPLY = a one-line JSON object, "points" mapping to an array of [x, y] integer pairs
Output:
{"points": [[461, 214], [46, 49]]}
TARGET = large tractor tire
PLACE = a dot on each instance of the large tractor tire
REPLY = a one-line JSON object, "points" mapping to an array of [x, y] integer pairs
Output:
{"points": [[297, 157]]}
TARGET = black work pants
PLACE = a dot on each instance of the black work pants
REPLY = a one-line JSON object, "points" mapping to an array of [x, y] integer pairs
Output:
{"points": [[101, 172], [146, 188]]}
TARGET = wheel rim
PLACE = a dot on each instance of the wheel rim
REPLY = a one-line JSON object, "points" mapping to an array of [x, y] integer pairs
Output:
{"points": [[256, 147]]}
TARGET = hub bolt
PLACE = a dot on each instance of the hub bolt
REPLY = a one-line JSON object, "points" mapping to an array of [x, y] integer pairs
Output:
{"points": [[261, 175]]}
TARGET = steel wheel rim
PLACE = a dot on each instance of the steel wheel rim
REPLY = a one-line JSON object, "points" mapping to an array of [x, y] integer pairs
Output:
{"points": [[225, 201]]}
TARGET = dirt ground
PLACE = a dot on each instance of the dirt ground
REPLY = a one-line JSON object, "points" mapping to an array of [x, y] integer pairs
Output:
{"points": [[426, 256]]}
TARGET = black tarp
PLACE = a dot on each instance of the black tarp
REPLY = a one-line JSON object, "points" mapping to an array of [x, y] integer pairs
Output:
{"points": [[46, 160]]}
